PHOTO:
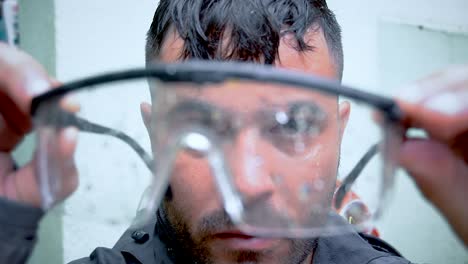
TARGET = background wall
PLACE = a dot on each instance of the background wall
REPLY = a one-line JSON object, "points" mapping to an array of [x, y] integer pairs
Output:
{"points": [[76, 38], [37, 33], [387, 44]]}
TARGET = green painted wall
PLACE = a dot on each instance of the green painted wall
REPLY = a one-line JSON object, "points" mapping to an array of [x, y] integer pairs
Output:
{"points": [[37, 37]]}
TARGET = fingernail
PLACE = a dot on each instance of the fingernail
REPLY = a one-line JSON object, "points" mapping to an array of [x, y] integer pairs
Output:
{"points": [[449, 103], [452, 79], [71, 104], [71, 134]]}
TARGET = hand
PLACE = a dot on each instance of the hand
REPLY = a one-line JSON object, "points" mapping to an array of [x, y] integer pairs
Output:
{"points": [[438, 104], [21, 77]]}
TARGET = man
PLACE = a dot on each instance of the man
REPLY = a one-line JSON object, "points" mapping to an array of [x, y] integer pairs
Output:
{"points": [[298, 35]]}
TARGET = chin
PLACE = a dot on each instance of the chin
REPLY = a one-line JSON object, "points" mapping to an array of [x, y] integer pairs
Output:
{"points": [[268, 252]]}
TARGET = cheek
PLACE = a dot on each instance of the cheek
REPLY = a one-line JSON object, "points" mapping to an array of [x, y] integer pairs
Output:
{"points": [[319, 169], [308, 185], [312, 177], [320, 157], [193, 189]]}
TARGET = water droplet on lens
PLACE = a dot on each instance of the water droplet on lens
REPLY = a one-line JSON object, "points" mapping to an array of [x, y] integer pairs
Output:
{"points": [[281, 117], [197, 142]]}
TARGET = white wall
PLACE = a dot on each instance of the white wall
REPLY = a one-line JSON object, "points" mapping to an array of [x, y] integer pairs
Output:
{"points": [[92, 37]]}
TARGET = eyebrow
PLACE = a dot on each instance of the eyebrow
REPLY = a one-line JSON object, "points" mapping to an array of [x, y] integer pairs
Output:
{"points": [[190, 104]]}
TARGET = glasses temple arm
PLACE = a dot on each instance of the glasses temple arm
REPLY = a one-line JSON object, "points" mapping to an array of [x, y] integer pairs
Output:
{"points": [[87, 126], [354, 174]]}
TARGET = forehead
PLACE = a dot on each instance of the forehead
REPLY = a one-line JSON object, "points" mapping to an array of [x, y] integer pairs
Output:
{"points": [[251, 96], [317, 62]]}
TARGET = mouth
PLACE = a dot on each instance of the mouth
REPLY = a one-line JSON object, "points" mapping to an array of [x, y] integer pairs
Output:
{"points": [[236, 240]]}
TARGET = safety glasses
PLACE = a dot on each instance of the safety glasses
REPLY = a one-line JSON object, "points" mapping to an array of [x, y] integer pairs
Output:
{"points": [[280, 153]]}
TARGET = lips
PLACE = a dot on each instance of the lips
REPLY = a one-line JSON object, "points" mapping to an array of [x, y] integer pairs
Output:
{"points": [[237, 240]]}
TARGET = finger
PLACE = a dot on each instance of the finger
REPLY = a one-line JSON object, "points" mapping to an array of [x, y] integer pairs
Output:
{"points": [[54, 82], [440, 126], [70, 104], [9, 137], [442, 177], [20, 78], [438, 103], [66, 149], [450, 79], [24, 185]]}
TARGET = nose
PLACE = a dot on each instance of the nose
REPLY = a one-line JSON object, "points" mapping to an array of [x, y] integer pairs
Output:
{"points": [[250, 161]]}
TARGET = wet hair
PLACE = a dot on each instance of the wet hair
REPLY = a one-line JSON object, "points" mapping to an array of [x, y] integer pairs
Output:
{"points": [[247, 30]]}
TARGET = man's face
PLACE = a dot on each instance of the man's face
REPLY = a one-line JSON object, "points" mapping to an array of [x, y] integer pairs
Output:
{"points": [[195, 209]]}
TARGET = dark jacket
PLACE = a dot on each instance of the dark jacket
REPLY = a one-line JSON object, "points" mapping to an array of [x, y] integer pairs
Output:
{"points": [[145, 246]]}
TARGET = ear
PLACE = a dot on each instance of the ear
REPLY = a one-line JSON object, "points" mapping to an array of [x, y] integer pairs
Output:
{"points": [[145, 109], [344, 108]]}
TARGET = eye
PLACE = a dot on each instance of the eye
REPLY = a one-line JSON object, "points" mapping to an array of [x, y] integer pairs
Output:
{"points": [[201, 114], [303, 120], [293, 131]]}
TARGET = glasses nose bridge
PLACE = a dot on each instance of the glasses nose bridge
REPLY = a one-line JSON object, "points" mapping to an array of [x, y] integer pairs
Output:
{"points": [[249, 158]]}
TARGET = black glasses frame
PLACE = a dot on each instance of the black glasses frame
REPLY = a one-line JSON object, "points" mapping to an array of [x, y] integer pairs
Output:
{"points": [[204, 72]]}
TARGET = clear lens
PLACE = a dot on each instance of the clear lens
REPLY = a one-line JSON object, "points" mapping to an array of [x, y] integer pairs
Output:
{"points": [[275, 153], [262, 158], [367, 166], [112, 141]]}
